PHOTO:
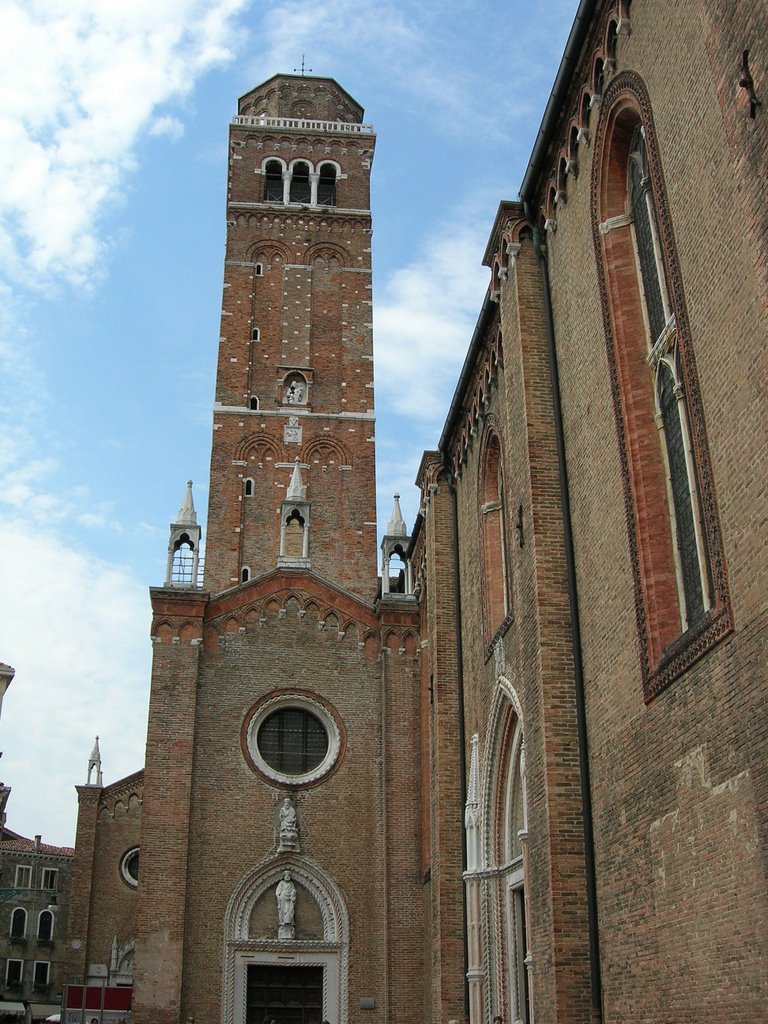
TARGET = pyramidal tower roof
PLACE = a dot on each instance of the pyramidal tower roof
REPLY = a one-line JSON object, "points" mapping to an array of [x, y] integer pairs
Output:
{"points": [[306, 97]]}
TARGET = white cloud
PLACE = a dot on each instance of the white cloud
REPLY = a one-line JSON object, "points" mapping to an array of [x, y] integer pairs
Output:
{"points": [[169, 126], [424, 319], [410, 49], [82, 660], [80, 82]]}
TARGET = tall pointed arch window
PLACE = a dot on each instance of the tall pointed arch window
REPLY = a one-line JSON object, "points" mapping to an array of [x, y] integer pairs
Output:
{"points": [[493, 540], [691, 566], [679, 577]]}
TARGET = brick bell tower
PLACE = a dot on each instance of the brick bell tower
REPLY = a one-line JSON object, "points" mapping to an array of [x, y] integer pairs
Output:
{"points": [[283, 745], [292, 467]]}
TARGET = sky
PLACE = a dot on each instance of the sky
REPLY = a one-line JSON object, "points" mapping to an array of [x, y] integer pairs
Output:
{"points": [[113, 150]]}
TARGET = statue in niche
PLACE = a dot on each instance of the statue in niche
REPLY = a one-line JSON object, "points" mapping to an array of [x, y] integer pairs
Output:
{"points": [[289, 827], [294, 393], [285, 894]]}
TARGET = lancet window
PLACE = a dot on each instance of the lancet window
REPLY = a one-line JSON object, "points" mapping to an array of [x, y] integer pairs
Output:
{"points": [[493, 538], [675, 550]]}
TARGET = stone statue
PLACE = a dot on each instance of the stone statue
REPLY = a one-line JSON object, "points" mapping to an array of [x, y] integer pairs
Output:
{"points": [[295, 393], [289, 827], [285, 894]]}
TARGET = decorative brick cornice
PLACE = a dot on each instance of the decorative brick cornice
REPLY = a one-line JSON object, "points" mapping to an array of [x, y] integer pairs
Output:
{"points": [[340, 222], [595, 70], [476, 397], [123, 787], [430, 468]]}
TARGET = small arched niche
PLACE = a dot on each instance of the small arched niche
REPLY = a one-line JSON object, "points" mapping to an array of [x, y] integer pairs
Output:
{"points": [[295, 390]]}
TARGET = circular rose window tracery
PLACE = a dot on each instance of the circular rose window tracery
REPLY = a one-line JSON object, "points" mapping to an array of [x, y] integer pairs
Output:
{"points": [[292, 739]]}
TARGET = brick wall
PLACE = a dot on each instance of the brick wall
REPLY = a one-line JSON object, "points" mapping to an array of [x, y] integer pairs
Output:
{"points": [[666, 776]]}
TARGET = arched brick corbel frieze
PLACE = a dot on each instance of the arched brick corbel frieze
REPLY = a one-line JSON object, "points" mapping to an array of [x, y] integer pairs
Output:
{"points": [[321, 449], [326, 254], [269, 252], [477, 398], [258, 446]]}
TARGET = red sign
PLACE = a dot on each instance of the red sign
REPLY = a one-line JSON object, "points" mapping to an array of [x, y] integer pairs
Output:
{"points": [[97, 1004]]}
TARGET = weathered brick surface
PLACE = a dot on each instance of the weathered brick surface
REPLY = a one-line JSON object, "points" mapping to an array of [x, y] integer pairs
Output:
{"points": [[301, 277], [113, 901], [210, 819], [441, 722], [667, 775], [678, 777]]}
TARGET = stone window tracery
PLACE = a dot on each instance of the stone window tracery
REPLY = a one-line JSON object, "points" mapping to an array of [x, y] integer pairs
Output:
{"points": [[292, 738], [301, 182], [679, 577]]}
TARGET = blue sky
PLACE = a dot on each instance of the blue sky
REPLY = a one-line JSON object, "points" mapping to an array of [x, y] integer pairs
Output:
{"points": [[113, 147]]}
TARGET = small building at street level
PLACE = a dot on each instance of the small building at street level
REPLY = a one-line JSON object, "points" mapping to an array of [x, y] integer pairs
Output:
{"points": [[515, 767]]}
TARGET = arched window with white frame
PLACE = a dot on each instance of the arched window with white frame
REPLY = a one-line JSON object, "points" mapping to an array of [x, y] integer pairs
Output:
{"points": [[19, 923], [300, 188], [273, 182], [45, 926], [326, 185]]}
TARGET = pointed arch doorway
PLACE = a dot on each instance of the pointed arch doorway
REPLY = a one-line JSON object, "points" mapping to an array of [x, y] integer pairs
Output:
{"points": [[302, 980]]}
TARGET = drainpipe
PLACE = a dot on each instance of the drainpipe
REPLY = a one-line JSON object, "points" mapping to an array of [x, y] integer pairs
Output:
{"points": [[578, 667], [462, 732]]}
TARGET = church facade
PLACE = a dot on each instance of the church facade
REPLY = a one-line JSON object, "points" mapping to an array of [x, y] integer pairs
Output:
{"points": [[525, 778]]}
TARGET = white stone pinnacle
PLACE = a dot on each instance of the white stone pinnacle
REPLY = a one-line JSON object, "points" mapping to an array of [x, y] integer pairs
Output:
{"points": [[296, 491], [396, 526], [187, 515]]}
